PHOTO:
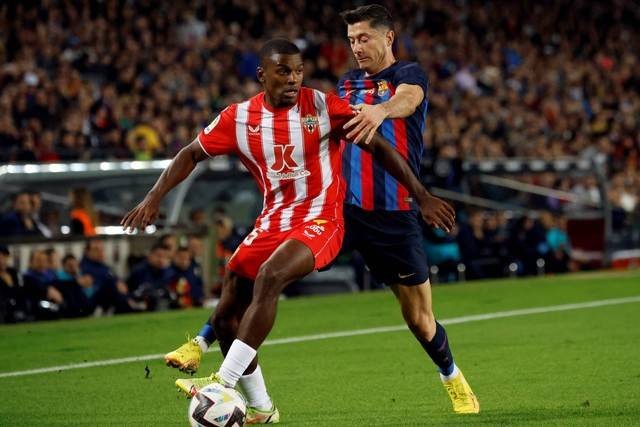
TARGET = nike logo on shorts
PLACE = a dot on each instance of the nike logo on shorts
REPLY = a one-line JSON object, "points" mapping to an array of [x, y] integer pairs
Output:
{"points": [[404, 276]]}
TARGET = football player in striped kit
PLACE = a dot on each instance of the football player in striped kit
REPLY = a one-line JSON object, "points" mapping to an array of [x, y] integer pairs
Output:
{"points": [[289, 138]]}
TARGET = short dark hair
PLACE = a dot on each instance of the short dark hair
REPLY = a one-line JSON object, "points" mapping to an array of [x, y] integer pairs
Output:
{"points": [[67, 257], [281, 46], [377, 16], [158, 246], [89, 242], [14, 196]]}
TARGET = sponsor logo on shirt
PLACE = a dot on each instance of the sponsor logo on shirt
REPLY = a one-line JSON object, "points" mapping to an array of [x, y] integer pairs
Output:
{"points": [[315, 229], [285, 167]]}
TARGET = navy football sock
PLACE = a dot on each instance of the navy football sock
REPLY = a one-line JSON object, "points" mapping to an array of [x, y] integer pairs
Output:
{"points": [[439, 351], [207, 333]]}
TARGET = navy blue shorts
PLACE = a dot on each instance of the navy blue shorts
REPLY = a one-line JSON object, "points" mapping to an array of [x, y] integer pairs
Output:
{"points": [[390, 243]]}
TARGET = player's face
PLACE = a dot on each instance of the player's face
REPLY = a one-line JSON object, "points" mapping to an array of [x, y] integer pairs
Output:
{"points": [[370, 46], [281, 75]]}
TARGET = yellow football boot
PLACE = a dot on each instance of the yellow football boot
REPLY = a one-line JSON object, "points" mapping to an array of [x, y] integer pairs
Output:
{"points": [[186, 357], [462, 397]]}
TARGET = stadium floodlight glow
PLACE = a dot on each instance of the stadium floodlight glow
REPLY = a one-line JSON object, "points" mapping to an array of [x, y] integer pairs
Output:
{"points": [[58, 167], [32, 169], [487, 166], [107, 166], [138, 164], [110, 230], [538, 165], [160, 164], [78, 167], [513, 165]]}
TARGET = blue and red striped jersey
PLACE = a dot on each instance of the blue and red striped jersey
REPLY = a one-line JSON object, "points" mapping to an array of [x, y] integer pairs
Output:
{"points": [[369, 186]]}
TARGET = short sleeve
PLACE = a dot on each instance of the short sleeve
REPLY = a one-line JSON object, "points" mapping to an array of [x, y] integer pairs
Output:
{"points": [[339, 113], [412, 74], [220, 136]]}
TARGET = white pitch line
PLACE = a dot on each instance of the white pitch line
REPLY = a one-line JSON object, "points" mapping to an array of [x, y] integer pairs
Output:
{"points": [[342, 334]]}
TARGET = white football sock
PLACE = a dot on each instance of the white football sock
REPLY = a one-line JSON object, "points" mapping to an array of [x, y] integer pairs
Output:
{"points": [[238, 359], [256, 390], [453, 374], [204, 345]]}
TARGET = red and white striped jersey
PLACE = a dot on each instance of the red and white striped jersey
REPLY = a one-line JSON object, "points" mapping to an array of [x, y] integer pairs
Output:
{"points": [[293, 153]]}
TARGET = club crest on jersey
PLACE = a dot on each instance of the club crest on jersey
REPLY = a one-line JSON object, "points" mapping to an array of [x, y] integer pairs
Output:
{"points": [[309, 123], [284, 165], [383, 87]]}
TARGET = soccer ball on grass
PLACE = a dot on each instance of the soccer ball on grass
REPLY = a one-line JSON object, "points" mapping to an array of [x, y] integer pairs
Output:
{"points": [[217, 406]]}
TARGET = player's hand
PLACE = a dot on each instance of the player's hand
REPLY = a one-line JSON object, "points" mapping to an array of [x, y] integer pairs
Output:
{"points": [[122, 287], [142, 215], [54, 295], [366, 122], [85, 281], [438, 213]]}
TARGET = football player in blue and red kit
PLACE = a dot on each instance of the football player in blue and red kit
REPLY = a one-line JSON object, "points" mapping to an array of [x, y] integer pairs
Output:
{"points": [[381, 219]]}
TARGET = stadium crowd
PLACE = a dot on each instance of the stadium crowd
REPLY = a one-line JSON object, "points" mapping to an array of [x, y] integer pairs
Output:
{"points": [[137, 79], [121, 80], [59, 285]]}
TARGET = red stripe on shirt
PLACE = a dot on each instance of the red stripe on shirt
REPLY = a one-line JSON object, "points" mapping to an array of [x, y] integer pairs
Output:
{"points": [[402, 147], [366, 163], [254, 118]]}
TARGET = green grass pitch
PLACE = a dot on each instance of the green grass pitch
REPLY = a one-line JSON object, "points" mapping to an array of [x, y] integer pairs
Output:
{"points": [[570, 367]]}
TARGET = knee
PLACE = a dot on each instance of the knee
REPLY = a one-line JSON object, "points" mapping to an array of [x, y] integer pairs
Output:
{"points": [[422, 323], [268, 284]]}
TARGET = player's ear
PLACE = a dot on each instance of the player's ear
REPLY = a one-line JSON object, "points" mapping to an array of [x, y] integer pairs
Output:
{"points": [[260, 74], [391, 35]]}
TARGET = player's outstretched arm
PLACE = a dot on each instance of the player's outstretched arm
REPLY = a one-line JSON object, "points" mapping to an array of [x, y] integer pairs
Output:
{"points": [[435, 211], [368, 118], [180, 167]]}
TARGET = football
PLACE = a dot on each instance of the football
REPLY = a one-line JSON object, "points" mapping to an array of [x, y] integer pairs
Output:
{"points": [[219, 406]]}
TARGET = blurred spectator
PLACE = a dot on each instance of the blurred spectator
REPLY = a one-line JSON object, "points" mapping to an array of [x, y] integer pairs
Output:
{"points": [[19, 222], [74, 286], [228, 238], [443, 251], [83, 215], [195, 244], [170, 242], [480, 246], [149, 280], [15, 305], [107, 293], [527, 244], [185, 286], [36, 206], [47, 299], [198, 219], [558, 259]]}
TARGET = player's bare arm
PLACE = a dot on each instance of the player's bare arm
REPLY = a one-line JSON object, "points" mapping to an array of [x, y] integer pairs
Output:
{"points": [[180, 167], [435, 211], [368, 118]]}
